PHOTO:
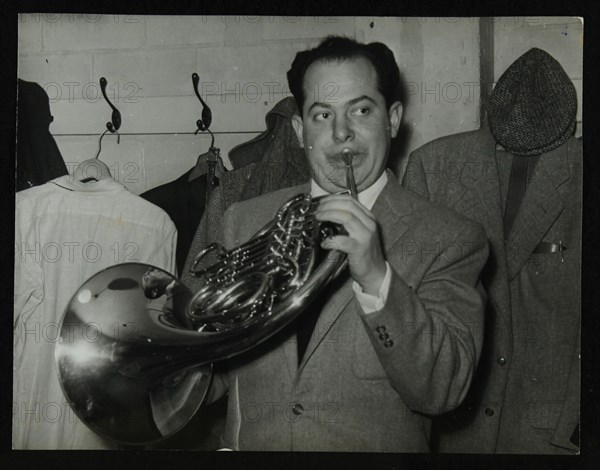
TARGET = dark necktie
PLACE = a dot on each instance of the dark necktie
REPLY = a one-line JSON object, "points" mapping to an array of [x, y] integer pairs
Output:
{"points": [[520, 171]]}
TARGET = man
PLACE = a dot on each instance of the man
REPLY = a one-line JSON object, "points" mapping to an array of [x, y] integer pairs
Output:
{"points": [[399, 334], [520, 177]]}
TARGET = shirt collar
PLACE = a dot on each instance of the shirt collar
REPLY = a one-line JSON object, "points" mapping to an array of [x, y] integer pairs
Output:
{"points": [[102, 186], [366, 197]]}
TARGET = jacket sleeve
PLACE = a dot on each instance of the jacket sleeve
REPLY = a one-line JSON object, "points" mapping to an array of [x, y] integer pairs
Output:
{"points": [[429, 338]]}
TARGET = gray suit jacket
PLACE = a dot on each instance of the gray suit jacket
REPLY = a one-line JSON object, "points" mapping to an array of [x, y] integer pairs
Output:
{"points": [[525, 397], [351, 392]]}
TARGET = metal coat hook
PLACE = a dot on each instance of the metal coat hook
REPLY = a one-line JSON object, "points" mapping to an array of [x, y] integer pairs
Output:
{"points": [[213, 156], [204, 123], [115, 123]]}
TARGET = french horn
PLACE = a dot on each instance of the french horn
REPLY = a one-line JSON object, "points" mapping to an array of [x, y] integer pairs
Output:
{"points": [[136, 347]]}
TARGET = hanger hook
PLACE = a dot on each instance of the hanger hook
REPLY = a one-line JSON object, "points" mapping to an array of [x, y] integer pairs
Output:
{"points": [[100, 140], [212, 136], [115, 123]]}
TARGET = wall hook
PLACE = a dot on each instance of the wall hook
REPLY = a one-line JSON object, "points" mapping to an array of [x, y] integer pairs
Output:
{"points": [[204, 123], [115, 123]]}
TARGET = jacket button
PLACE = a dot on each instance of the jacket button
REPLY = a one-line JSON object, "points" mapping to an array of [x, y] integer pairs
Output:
{"points": [[502, 360], [389, 343], [380, 329], [383, 336], [489, 412], [298, 409]]}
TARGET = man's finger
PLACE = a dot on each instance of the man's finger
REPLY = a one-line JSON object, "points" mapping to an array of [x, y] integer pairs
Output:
{"points": [[353, 225]]}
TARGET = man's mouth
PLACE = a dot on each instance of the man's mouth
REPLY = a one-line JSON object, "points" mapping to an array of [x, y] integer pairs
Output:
{"points": [[337, 172], [338, 157]]}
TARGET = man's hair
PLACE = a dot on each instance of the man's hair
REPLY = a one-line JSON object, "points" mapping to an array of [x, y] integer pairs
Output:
{"points": [[342, 48]]}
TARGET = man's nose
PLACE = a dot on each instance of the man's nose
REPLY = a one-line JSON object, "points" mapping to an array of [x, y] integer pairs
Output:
{"points": [[342, 130]]}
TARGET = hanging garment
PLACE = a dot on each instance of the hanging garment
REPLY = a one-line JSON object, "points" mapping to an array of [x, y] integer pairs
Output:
{"points": [[525, 395], [278, 135], [65, 232], [271, 161], [184, 201], [38, 158]]}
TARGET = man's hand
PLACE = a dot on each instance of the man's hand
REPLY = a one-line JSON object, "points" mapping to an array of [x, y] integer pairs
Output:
{"points": [[362, 245]]}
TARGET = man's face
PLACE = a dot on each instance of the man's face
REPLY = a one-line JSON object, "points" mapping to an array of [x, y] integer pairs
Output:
{"points": [[343, 109]]}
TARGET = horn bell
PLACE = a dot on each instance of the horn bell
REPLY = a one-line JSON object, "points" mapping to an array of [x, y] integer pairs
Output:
{"points": [[136, 347]]}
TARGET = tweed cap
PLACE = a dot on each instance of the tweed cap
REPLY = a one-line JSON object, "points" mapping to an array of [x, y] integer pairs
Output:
{"points": [[533, 107]]}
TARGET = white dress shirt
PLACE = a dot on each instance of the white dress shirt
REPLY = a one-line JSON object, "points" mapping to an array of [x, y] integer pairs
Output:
{"points": [[65, 232]]}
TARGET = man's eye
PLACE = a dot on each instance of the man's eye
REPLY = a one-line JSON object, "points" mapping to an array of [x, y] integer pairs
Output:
{"points": [[362, 111], [321, 116]]}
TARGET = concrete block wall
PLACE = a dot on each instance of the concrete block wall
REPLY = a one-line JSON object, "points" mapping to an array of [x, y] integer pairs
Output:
{"points": [[439, 63], [148, 62], [242, 63]]}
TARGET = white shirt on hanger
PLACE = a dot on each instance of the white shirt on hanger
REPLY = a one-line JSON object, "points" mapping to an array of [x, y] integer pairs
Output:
{"points": [[65, 232]]}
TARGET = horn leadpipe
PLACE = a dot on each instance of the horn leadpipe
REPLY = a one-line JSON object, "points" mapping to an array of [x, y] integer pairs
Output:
{"points": [[347, 156]]}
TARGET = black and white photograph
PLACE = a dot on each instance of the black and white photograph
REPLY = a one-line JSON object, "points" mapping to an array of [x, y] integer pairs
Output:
{"points": [[357, 234]]}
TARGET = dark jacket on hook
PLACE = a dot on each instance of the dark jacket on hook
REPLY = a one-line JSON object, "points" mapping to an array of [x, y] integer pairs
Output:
{"points": [[525, 396], [38, 158], [184, 201], [271, 161], [277, 136]]}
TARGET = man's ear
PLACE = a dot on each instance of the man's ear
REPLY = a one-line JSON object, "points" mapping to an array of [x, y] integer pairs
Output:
{"points": [[298, 128], [395, 114]]}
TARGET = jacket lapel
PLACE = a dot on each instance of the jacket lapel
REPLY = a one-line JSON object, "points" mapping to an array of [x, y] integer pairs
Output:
{"points": [[389, 209], [290, 351], [480, 199], [541, 206]]}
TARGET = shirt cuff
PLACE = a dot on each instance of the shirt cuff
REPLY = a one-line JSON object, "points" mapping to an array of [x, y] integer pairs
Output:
{"points": [[371, 303]]}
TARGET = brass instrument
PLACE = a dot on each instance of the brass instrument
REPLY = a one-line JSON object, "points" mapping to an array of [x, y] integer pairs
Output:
{"points": [[136, 348]]}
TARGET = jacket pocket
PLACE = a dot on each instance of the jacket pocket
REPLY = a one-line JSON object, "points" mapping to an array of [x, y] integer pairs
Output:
{"points": [[543, 415]]}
